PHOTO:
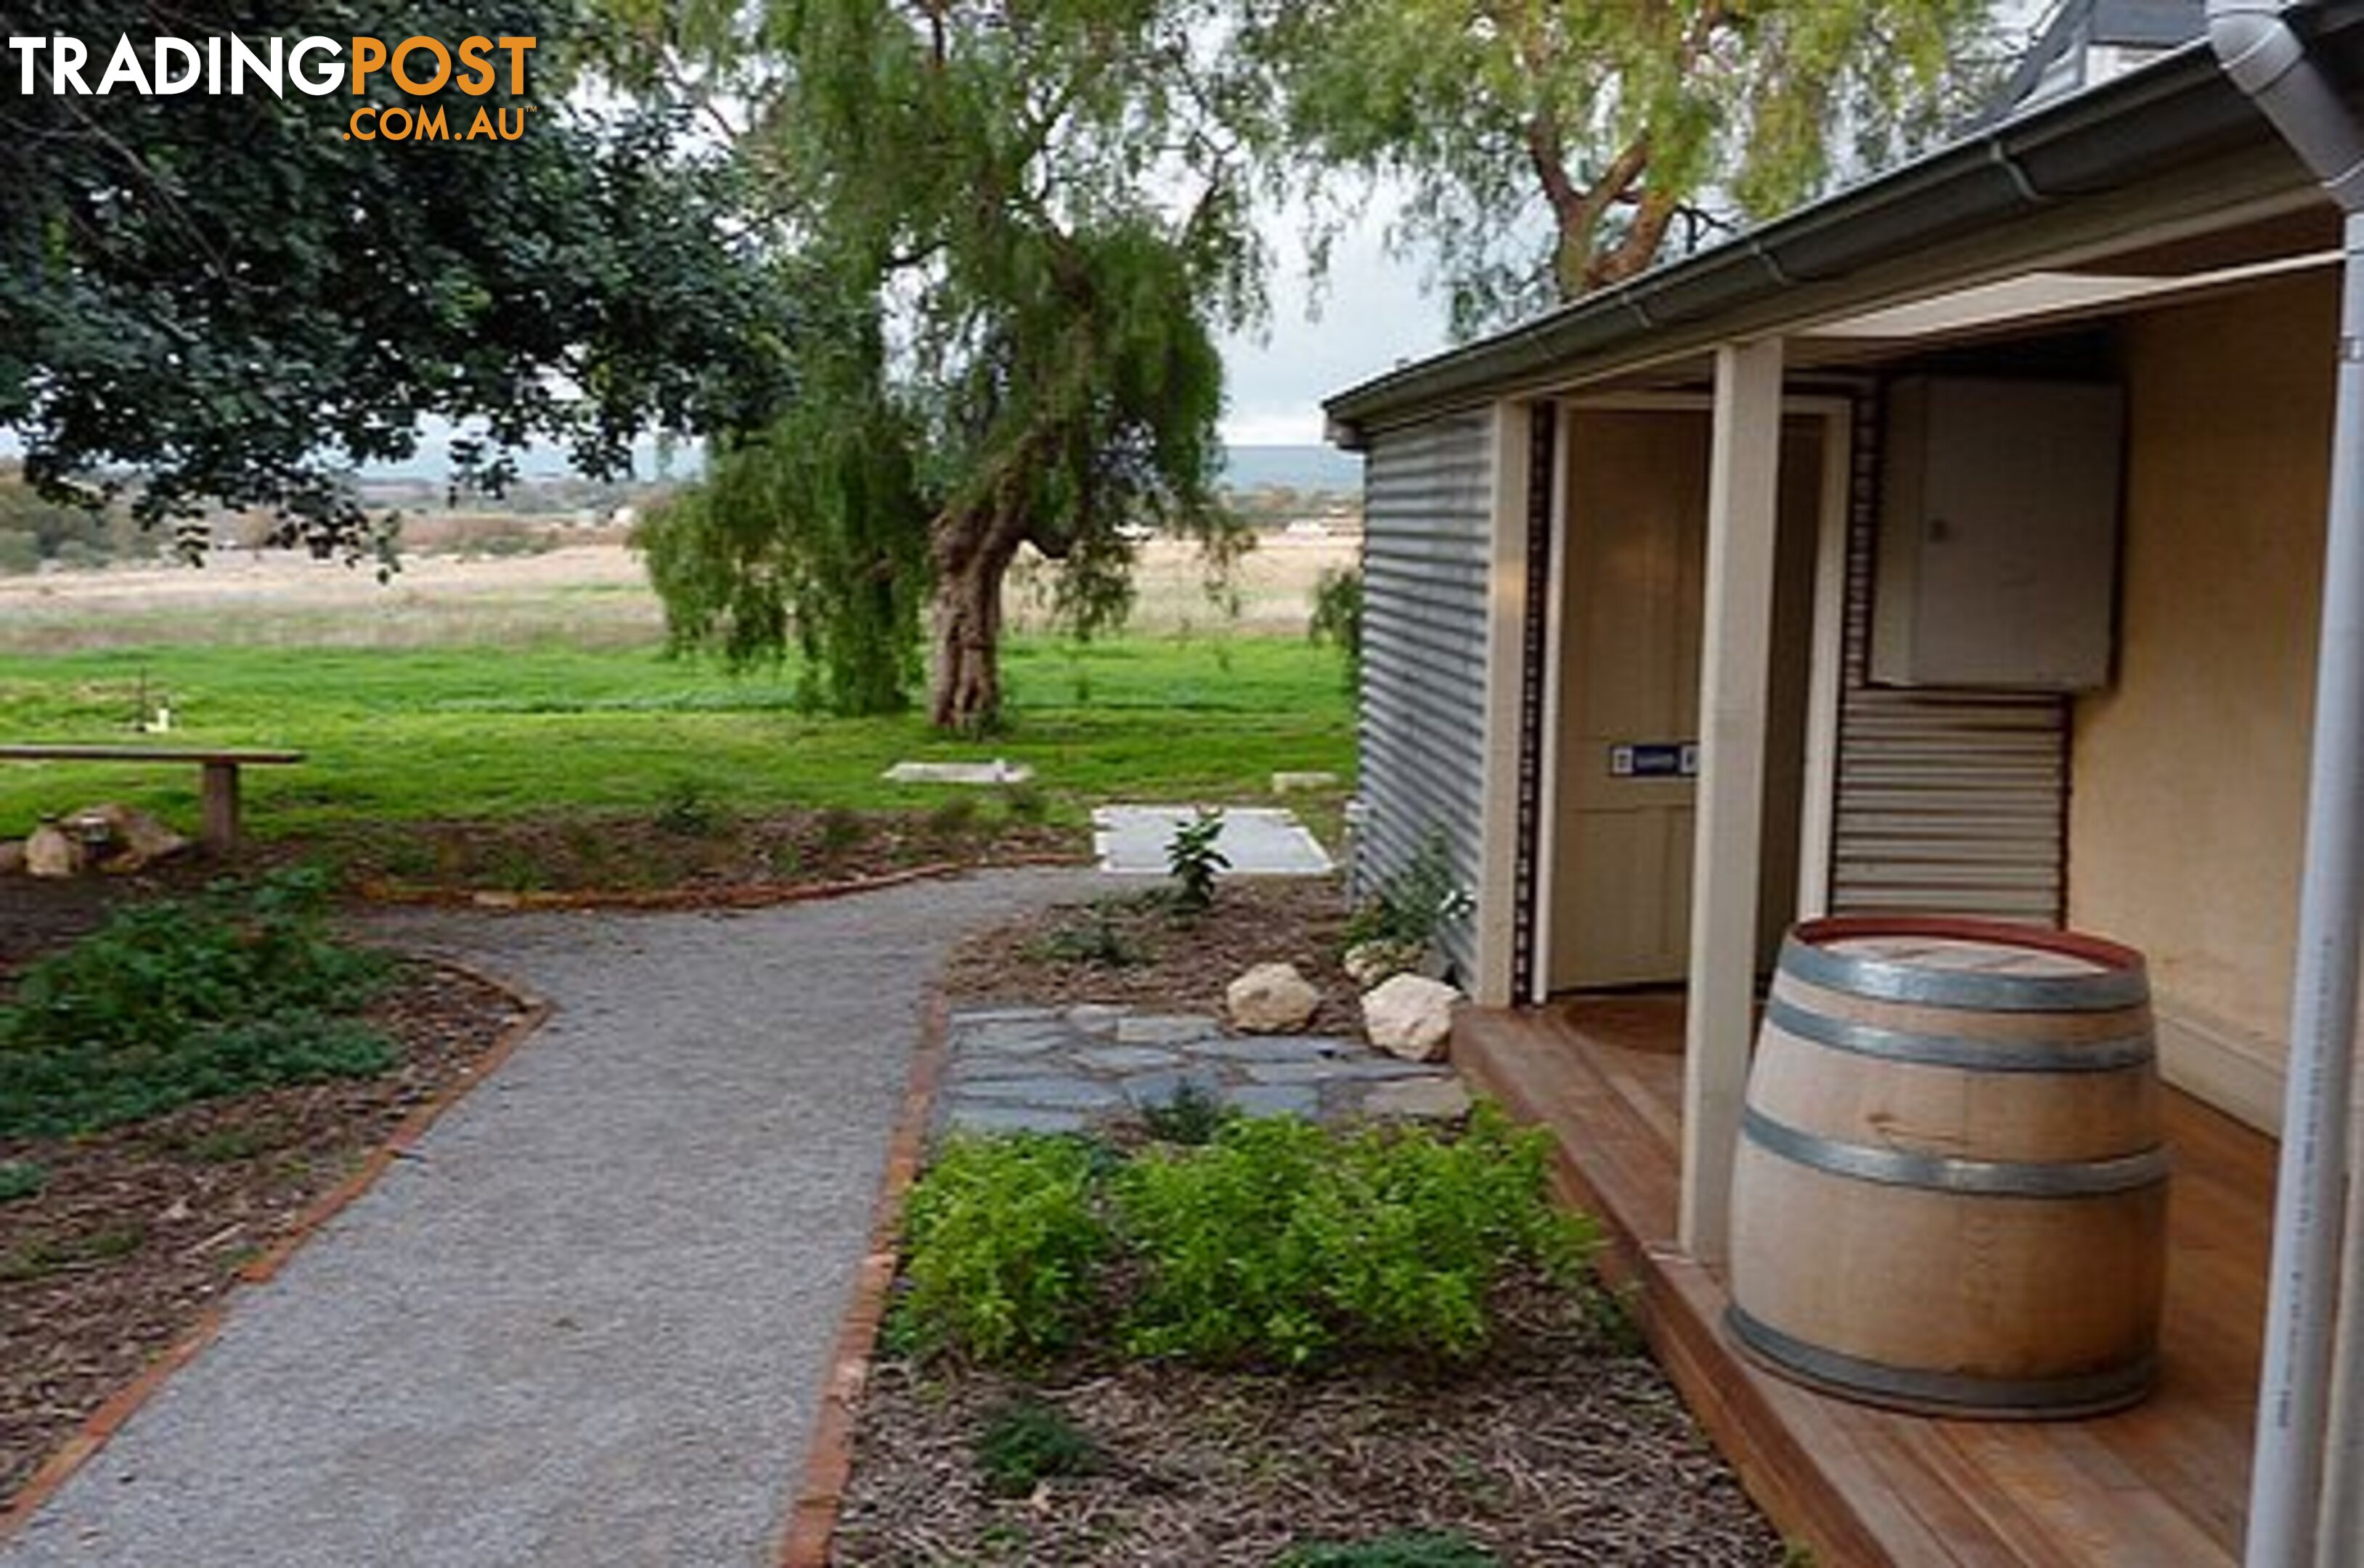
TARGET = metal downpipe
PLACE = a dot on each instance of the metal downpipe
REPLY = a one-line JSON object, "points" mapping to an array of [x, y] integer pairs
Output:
{"points": [[2269, 61]]}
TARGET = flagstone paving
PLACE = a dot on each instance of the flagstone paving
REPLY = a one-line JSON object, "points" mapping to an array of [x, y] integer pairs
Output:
{"points": [[1066, 1069]]}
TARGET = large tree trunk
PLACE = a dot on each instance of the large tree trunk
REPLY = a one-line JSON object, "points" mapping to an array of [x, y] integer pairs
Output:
{"points": [[964, 674]]}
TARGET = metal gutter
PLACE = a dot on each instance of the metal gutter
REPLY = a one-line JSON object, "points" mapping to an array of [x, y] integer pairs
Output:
{"points": [[2148, 122]]}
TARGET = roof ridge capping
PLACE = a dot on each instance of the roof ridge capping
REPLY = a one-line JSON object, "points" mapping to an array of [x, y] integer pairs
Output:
{"points": [[2159, 116]]}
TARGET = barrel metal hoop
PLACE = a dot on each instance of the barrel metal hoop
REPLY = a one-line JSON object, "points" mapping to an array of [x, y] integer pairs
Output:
{"points": [[1956, 1051], [1886, 980], [1914, 1386], [1942, 1172]]}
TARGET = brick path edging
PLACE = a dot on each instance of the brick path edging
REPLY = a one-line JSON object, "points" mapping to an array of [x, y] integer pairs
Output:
{"points": [[103, 1423], [741, 895], [811, 1523]]}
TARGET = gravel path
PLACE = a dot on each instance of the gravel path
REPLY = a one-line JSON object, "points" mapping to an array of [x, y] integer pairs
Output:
{"points": [[589, 1321]]}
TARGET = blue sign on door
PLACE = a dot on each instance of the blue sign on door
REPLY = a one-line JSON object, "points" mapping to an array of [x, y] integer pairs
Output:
{"points": [[1654, 760]]}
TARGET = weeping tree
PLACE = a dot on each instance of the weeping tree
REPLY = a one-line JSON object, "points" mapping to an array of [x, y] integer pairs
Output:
{"points": [[843, 585], [1549, 148], [1031, 218]]}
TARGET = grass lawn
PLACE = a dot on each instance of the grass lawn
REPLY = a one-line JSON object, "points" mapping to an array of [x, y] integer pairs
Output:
{"points": [[407, 735]]}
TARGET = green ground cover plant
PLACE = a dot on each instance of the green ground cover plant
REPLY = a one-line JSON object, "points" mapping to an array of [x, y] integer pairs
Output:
{"points": [[1026, 1443], [399, 735], [1003, 1235], [176, 1000], [1281, 1242], [1274, 1242], [1405, 1551]]}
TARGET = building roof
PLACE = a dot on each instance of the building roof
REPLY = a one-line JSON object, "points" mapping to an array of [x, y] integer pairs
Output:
{"points": [[2172, 141]]}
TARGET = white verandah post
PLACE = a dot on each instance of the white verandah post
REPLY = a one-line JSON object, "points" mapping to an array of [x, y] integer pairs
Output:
{"points": [[1735, 664], [1506, 673]]}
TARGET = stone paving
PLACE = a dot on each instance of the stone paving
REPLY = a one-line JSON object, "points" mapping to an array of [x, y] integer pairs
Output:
{"points": [[1070, 1069]]}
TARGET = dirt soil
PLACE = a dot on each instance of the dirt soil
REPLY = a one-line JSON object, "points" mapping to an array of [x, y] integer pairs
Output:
{"points": [[137, 1230], [1173, 965], [1561, 1447], [685, 854]]}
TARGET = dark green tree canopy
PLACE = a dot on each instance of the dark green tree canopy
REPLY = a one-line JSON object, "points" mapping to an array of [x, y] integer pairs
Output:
{"points": [[228, 297]]}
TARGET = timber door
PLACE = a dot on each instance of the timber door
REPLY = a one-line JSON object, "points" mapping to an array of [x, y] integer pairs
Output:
{"points": [[1634, 593], [1629, 670]]}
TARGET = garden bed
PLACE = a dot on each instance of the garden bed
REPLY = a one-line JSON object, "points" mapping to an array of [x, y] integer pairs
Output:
{"points": [[1265, 1344], [1131, 947], [126, 1236], [1563, 1446], [684, 851]]}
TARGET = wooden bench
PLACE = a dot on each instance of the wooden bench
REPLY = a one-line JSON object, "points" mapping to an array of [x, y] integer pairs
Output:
{"points": [[218, 794]]}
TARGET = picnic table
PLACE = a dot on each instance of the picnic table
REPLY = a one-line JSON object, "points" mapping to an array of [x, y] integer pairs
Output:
{"points": [[218, 766]]}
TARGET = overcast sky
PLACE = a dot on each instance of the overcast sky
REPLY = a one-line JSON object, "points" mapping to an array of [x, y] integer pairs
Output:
{"points": [[1374, 316]]}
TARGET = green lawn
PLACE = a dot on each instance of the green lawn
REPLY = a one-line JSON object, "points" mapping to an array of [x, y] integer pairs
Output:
{"points": [[457, 732]]}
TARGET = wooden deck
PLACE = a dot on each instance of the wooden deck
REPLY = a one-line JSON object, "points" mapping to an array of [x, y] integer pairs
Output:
{"points": [[2164, 1483]]}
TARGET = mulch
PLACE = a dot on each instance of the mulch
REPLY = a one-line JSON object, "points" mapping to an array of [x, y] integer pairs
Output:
{"points": [[625, 858], [139, 1229], [1184, 965], [1562, 1446]]}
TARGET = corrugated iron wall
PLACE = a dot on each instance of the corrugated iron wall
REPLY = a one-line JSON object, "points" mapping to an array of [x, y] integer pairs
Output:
{"points": [[1948, 802], [1427, 544]]}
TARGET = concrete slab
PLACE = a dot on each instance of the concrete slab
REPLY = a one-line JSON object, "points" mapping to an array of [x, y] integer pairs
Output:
{"points": [[1258, 840], [997, 771]]}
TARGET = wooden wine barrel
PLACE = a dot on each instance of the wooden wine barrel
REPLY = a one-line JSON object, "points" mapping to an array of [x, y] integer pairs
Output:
{"points": [[1951, 1192]]}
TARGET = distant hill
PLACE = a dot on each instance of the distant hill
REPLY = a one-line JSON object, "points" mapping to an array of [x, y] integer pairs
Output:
{"points": [[1307, 468], [1297, 467]]}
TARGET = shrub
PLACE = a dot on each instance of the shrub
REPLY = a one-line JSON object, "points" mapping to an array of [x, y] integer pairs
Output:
{"points": [[1095, 939], [1406, 1550], [1026, 1443], [1414, 904], [21, 1179], [1280, 1241], [1338, 617], [1024, 801], [1001, 1238], [183, 1000], [951, 818], [686, 811], [1192, 1116], [841, 829], [1192, 861]]}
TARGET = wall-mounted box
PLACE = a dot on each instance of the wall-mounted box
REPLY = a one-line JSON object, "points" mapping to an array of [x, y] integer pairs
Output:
{"points": [[1998, 534]]}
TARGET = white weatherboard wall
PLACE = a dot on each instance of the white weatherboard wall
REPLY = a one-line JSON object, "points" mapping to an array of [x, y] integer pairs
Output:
{"points": [[1427, 529]]}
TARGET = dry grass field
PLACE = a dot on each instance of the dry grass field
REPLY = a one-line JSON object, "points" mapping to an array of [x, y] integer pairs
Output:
{"points": [[585, 596]]}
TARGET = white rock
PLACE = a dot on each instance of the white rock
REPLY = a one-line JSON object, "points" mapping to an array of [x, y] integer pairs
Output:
{"points": [[1418, 1099], [1409, 1016], [1271, 998], [131, 840], [50, 851]]}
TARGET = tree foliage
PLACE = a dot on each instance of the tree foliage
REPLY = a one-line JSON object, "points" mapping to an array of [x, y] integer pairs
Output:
{"points": [[225, 296], [809, 533], [1547, 147], [1038, 205]]}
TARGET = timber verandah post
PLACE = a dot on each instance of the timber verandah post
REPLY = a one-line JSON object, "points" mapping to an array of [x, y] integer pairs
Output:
{"points": [[1735, 661]]}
